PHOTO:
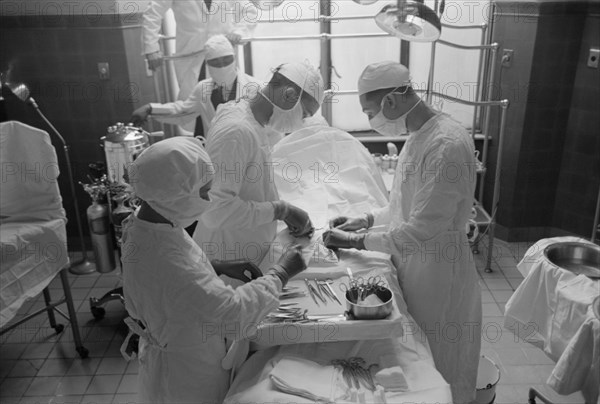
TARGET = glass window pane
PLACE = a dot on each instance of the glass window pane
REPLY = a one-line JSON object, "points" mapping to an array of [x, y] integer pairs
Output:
{"points": [[270, 54], [456, 70], [350, 57]]}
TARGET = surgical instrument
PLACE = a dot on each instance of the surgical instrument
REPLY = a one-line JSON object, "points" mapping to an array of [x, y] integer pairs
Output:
{"points": [[311, 291]]}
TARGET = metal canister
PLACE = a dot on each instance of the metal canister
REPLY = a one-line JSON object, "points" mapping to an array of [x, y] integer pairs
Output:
{"points": [[102, 243], [122, 144]]}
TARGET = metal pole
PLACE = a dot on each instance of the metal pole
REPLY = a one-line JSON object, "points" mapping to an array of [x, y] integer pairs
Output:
{"points": [[596, 218], [428, 92], [83, 266], [496, 196], [478, 93], [325, 65], [486, 128]]}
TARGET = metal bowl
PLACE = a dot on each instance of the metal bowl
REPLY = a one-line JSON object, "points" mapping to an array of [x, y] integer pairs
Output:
{"points": [[579, 258], [375, 312]]}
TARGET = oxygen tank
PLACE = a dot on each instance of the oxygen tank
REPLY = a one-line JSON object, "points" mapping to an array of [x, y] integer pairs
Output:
{"points": [[102, 244]]}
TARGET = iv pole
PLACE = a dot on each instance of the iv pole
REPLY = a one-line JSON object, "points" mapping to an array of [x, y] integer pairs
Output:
{"points": [[83, 266]]}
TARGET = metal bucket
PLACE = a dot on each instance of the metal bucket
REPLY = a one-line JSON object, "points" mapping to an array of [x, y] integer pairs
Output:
{"points": [[374, 312], [488, 376], [579, 258], [122, 144]]}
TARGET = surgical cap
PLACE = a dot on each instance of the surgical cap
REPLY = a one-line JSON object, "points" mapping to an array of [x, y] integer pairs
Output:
{"points": [[378, 76], [306, 77], [218, 46], [169, 174]]}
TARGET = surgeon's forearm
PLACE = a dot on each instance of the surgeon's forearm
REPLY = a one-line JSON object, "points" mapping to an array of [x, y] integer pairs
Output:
{"points": [[253, 301], [381, 216], [238, 213], [382, 242]]}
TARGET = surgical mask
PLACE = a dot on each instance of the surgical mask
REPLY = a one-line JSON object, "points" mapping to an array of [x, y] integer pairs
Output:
{"points": [[182, 212], [390, 127], [223, 76], [286, 121]]}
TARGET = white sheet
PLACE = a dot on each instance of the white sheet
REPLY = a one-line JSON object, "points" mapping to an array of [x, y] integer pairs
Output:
{"points": [[551, 304], [552, 309], [32, 254], [32, 223], [356, 188]]}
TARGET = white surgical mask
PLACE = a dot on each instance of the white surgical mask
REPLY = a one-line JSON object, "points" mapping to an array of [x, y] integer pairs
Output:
{"points": [[285, 121], [390, 127], [223, 76], [183, 211]]}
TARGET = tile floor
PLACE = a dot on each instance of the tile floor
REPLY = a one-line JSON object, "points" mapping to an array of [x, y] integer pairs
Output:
{"points": [[38, 366]]}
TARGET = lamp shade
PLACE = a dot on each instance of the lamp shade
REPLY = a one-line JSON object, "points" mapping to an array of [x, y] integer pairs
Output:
{"points": [[364, 2], [411, 21], [267, 4]]}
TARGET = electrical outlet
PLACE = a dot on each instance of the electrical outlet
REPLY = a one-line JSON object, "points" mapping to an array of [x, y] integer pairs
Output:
{"points": [[103, 71], [593, 58], [507, 57]]}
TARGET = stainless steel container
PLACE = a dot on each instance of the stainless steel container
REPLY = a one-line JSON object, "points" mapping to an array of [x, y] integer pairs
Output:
{"points": [[375, 312], [122, 144], [579, 258]]}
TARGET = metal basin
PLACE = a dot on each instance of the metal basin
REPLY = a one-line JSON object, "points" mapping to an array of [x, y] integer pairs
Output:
{"points": [[579, 258], [375, 312]]}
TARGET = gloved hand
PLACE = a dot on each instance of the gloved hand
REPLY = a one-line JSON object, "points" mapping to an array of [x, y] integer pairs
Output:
{"points": [[335, 238], [140, 115], [289, 265], [352, 223], [237, 269], [234, 38], [155, 60], [296, 219]]}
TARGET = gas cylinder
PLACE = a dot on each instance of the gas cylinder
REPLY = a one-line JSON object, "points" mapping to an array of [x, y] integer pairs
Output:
{"points": [[98, 220]]}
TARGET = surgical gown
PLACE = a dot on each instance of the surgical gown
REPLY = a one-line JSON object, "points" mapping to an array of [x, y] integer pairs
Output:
{"points": [[195, 23], [239, 224], [170, 286], [430, 203]]}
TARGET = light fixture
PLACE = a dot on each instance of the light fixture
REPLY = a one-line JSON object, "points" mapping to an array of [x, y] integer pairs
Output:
{"points": [[266, 4], [364, 2], [83, 266], [411, 21]]}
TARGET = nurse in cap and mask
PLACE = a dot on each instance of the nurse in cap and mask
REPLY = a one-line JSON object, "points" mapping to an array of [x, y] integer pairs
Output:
{"points": [[242, 218], [226, 83], [180, 306], [430, 203]]}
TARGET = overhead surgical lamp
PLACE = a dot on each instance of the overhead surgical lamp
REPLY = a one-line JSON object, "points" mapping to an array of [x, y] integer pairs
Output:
{"points": [[364, 2], [266, 4], [83, 266], [411, 21]]}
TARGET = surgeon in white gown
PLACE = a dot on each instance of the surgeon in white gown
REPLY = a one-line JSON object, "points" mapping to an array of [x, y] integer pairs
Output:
{"points": [[178, 305], [242, 218], [432, 196]]}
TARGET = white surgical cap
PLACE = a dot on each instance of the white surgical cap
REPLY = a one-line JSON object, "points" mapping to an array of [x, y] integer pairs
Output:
{"points": [[378, 76], [218, 46], [169, 174], [306, 77]]}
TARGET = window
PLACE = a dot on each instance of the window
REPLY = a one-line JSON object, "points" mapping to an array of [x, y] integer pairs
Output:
{"points": [[456, 70]]}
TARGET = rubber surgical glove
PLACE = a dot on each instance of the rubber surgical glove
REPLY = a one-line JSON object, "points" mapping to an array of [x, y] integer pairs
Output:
{"points": [[140, 115], [234, 38], [335, 238], [352, 223], [237, 269], [289, 264], [296, 219], [154, 59]]}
